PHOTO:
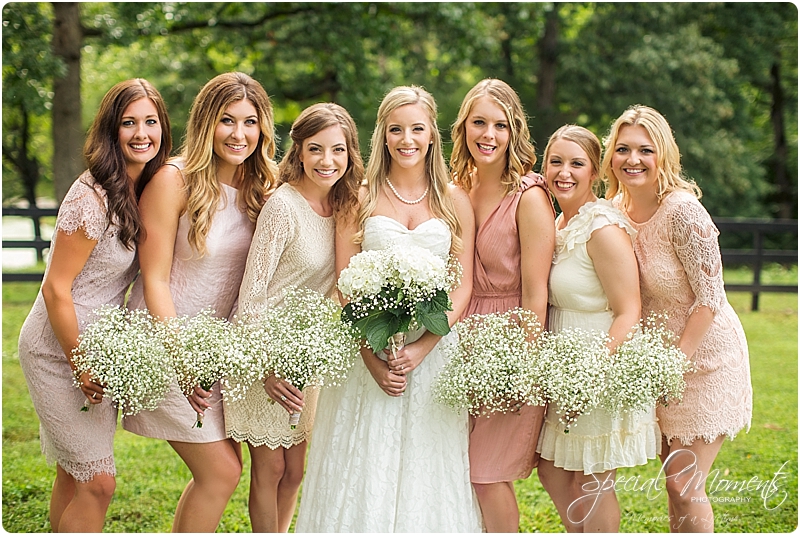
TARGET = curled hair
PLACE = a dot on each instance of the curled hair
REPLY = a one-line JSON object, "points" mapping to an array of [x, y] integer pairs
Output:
{"points": [[582, 137], [314, 119], [106, 162], [670, 174], [258, 172], [380, 161], [520, 155]]}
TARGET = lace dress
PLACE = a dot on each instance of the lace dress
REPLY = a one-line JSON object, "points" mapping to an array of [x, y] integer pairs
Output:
{"points": [[82, 443], [293, 246], [680, 269], [381, 463], [197, 283], [502, 447], [596, 442]]}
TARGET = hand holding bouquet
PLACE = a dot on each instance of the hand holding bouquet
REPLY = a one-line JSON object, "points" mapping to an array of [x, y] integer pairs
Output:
{"points": [[394, 290], [491, 368], [306, 342], [122, 350]]}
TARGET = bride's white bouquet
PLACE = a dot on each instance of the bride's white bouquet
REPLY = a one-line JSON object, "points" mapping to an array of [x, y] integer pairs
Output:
{"points": [[203, 351], [123, 351], [491, 368], [647, 368], [572, 365], [394, 290], [306, 343]]}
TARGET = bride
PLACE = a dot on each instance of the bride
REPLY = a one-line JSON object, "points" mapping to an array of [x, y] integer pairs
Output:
{"points": [[385, 456]]}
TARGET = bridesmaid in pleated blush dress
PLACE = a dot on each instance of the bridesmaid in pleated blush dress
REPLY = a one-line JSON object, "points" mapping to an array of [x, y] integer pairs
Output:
{"points": [[492, 161], [199, 212], [680, 270], [92, 262]]}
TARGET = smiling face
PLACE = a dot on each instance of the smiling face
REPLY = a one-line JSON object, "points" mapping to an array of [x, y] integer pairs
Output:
{"points": [[635, 162], [569, 174], [139, 135], [487, 133], [236, 134], [324, 157], [408, 136]]}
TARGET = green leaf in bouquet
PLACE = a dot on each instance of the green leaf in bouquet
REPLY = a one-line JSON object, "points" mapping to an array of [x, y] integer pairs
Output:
{"points": [[440, 302], [378, 328], [435, 322]]}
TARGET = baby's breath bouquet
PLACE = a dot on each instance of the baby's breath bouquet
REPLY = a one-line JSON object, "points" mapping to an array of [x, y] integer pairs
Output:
{"points": [[394, 290], [121, 349], [202, 351], [573, 364], [646, 369], [249, 358], [491, 368], [306, 341]]}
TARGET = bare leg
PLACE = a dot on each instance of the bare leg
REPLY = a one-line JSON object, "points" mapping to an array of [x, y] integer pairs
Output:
{"points": [[215, 467], [686, 469], [559, 485], [274, 483], [86, 510], [498, 503]]}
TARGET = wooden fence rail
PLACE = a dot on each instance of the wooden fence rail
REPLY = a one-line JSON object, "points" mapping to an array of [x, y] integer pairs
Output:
{"points": [[755, 257]]}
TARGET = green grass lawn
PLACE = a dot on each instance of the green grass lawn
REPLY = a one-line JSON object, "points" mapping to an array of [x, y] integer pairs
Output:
{"points": [[151, 476]]}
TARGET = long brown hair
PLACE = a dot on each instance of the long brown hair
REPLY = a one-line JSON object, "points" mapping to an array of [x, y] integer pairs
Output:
{"points": [[200, 171], [520, 155], [314, 119], [106, 163]]}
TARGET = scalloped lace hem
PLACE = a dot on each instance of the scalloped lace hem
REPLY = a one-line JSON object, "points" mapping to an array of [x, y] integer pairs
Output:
{"points": [[272, 442]]}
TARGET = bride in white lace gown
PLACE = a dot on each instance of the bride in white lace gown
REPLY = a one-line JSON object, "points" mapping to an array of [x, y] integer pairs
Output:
{"points": [[385, 456]]}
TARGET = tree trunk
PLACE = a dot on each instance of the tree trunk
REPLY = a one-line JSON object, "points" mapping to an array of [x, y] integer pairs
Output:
{"points": [[783, 195], [547, 51], [68, 135]]}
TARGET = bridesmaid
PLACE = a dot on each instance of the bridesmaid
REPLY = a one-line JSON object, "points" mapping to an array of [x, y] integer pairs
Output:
{"points": [[293, 246], [594, 287], [492, 161], [92, 262], [681, 274], [199, 212]]}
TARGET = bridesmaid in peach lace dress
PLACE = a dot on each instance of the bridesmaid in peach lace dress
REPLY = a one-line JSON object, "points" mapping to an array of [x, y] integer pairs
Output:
{"points": [[680, 271], [492, 161], [92, 262]]}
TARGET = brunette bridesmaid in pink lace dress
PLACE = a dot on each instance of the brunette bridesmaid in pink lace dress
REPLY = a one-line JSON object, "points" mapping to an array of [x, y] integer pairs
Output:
{"points": [[92, 262], [199, 213], [492, 161], [681, 274]]}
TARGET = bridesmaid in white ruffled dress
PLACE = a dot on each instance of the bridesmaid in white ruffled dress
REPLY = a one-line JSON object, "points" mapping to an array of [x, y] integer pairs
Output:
{"points": [[293, 246], [385, 455], [593, 286], [199, 213], [92, 262]]}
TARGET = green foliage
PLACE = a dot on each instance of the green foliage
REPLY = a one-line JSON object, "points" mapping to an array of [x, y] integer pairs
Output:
{"points": [[706, 66]]}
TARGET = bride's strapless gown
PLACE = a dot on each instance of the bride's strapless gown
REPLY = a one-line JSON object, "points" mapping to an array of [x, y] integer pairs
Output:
{"points": [[381, 463]]}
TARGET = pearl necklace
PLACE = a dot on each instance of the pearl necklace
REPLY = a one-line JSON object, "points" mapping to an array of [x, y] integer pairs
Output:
{"points": [[391, 186]]}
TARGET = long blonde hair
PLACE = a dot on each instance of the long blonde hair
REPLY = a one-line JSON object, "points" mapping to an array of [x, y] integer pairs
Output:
{"points": [[380, 161], [314, 119], [668, 157], [520, 155], [258, 171]]}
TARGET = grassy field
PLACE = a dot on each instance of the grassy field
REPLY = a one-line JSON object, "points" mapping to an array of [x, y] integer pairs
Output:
{"points": [[151, 476]]}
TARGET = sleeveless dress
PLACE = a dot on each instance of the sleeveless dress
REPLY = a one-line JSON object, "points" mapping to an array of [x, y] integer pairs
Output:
{"points": [[596, 442], [197, 283], [82, 443], [293, 246], [680, 269], [502, 447], [381, 463]]}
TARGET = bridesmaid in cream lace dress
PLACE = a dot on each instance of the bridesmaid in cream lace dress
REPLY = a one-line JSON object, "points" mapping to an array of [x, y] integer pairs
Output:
{"points": [[199, 212], [293, 246], [92, 262], [492, 161], [681, 274]]}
